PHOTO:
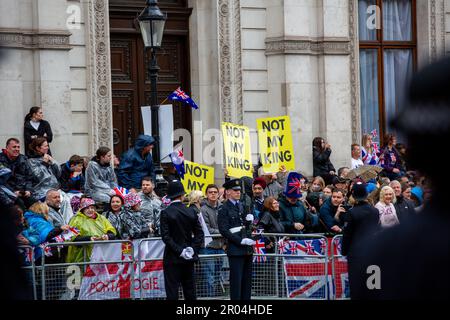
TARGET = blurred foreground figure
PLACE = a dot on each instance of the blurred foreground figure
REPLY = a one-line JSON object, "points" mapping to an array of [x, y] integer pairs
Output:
{"points": [[413, 257]]}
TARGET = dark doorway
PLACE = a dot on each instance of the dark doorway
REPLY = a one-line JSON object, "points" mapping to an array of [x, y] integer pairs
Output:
{"points": [[129, 67]]}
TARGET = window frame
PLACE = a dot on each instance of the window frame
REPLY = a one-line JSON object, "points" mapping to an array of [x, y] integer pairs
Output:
{"points": [[380, 45]]}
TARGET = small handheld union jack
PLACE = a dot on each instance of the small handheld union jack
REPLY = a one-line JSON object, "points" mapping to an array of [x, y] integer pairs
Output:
{"points": [[374, 133], [180, 95], [260, 252]]}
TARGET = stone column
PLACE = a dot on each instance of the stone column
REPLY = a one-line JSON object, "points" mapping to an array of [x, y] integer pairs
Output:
{"points": [[308, 49]]}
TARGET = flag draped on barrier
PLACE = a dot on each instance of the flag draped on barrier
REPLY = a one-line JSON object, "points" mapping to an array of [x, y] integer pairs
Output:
{"points": [[113, 280], [309, 272]]}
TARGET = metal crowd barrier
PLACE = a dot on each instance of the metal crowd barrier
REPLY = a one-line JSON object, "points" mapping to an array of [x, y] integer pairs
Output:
{"points": [[274, 275], [339, 269]]}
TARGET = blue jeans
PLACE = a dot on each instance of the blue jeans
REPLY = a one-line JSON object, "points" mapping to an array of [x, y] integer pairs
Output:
{"points": [[211, 269]]}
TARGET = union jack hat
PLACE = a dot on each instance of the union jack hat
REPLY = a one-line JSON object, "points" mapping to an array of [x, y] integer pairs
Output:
{"points": [[86, 202], [132, 199], [294, 185]]}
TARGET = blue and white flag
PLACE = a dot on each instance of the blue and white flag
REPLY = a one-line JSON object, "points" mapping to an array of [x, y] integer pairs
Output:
{"points": [[180, 95], [177, 158]]}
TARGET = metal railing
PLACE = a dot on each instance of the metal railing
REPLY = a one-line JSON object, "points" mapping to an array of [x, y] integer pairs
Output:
{"points": [[298, 266]]}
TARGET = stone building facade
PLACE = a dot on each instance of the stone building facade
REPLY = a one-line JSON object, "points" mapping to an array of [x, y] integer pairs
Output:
{"points": [[248, 59]]}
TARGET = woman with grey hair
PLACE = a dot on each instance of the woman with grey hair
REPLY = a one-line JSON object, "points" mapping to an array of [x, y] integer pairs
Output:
{"points": [[388, 214]]}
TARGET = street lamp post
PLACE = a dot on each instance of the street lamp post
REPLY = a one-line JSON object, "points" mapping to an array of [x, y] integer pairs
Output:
{"points": [[151, 22]]}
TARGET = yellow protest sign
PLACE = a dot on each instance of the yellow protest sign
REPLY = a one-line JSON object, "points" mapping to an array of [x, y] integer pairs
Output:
{"points": [[275, 143], [238, 155], [197, 176]]}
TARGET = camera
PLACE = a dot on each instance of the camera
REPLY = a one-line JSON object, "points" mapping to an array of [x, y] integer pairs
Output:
{"points": [[347, 207]]}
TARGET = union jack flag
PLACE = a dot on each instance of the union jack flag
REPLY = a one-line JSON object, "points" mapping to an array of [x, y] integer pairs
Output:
{"points": [[374, 133], [180, 95], [121, 191], [376, 149], [295, 186], [308, 273], [47, 250], [259, 250]]}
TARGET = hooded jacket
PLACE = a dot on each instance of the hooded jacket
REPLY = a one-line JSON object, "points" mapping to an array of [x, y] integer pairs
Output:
{"points": [[151, 208], [39, 230], [45, 174], [88, 227], [100, 181], [133, 167]]}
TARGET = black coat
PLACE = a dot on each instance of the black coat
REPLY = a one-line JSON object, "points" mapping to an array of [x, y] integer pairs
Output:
{"points": [[29, 131], [321, 162], [21, 176], [413, 257], [404, 209], [361, 225], [178, 224], [230, 216], [360, 222]]}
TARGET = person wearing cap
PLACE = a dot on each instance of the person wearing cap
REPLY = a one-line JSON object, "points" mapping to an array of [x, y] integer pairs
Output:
{"points": [[258, 187], [274, 181], [235, 226], [183, 236], [361, 222], [92, 227], [137, 163]]}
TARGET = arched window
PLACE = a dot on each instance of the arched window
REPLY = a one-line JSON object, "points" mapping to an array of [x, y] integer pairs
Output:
{"points": [[388, 45]]}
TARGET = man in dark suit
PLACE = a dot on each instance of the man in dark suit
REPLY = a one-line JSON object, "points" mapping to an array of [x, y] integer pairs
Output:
{"points": [[178, 224], [361, 225], [234, 225]]}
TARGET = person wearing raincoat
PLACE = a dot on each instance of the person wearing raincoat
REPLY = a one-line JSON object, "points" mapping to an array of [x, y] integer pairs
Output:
{"points": [[100, 177], [137, 163], [39, 228], [92, 227], [46, 171]]}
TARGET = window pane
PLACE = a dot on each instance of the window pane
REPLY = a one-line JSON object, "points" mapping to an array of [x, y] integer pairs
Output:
{"points": [[398, 68], [367, 21], [368, 61], [397, 20]]}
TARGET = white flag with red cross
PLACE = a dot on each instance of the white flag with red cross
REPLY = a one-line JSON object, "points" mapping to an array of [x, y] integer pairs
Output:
{"points": [[109, 275]]}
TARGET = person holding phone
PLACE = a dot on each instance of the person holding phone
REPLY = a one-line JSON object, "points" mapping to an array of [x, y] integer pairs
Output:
{"points": [[322, 165]]}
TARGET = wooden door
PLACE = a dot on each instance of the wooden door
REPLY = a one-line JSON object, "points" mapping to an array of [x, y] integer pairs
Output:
{"points": [[129, 67]]}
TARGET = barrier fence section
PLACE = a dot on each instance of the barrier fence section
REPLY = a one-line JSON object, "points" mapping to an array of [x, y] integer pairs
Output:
{"points": [[339, 270], [285, 267]]}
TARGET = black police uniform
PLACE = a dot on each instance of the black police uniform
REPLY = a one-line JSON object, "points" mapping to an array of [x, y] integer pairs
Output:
{"points": [[234, 227], [178, 224]]}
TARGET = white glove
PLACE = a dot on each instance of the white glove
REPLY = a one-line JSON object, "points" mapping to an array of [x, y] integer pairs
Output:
{"points": [[190, 252], [247, 242], [186, 254], [249, 217]]}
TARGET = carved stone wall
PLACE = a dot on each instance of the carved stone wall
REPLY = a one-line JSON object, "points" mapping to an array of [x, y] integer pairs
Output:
{"points": [[99, 75], [230, 71], [308, 46], [21, 39], [354, 70]]}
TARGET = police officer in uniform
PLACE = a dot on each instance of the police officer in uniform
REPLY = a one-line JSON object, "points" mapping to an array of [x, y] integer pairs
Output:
{"points": [[183, 236], [235, 225]]}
